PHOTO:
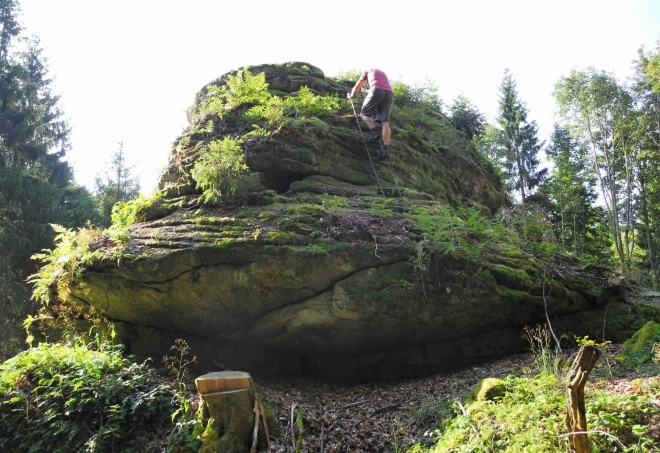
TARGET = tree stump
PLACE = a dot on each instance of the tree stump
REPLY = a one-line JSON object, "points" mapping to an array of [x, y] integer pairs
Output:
{"points": [[226, 411], [576, 419]]}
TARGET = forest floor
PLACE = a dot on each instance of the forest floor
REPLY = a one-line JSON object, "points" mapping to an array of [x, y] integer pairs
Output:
{"points": [[392, 416], [375, 416]]}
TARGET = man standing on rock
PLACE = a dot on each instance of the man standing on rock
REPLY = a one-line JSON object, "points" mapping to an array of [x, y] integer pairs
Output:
{"points": [[379, 101]]}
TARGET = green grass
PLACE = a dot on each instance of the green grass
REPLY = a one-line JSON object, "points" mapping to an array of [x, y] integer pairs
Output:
{"points": [[623, 415]]}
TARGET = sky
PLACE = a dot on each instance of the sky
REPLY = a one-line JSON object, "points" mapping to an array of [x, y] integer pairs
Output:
{"points": [[127, 70]]}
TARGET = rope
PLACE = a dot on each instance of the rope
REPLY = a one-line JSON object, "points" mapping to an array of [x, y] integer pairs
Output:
{"points": [[380, 186]]}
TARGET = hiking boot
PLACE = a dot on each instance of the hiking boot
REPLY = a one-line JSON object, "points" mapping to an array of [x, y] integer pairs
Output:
{"points": [[374, 136], [384, 149]]}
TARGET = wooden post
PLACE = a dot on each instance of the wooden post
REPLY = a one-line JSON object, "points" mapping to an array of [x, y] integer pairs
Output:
{"points": [[576, 419]]}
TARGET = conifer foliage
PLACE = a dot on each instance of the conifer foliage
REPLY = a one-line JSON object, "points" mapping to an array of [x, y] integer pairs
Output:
{"points": [[518, 139], [36, 184], [513, 144], [117, 185], [467, 118]]}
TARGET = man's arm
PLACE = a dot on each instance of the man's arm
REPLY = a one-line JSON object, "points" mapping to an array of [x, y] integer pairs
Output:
{"points": [[358, 85]]}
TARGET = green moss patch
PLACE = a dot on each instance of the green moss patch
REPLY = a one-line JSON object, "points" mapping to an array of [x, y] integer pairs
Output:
{"points": [[488, 389], [639, 348]]}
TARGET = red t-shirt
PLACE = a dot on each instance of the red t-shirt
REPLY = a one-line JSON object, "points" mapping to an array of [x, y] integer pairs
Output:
{"points": [[376, 79]]}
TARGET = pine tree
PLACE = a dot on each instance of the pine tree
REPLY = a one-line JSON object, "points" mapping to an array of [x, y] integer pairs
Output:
{"points": [[118, 184], [514, 143]]}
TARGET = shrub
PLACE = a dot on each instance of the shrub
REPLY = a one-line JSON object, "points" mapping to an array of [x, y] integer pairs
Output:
{"points": [[56, 398]]}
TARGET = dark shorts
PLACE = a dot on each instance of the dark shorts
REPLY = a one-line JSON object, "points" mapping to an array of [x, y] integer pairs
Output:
{"points": [[378, 102]]}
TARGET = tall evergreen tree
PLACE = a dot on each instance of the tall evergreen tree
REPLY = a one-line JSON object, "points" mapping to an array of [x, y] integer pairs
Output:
{"points": [[11, 27], [36, 184], [118, 184], [514, 142]]}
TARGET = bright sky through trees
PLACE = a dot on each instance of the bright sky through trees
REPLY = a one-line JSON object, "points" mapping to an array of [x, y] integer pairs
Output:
{"points": [[128, 69]]}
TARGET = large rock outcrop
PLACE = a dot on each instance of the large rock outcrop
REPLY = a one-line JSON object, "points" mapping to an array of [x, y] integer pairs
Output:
{"points": [[306, 269]]}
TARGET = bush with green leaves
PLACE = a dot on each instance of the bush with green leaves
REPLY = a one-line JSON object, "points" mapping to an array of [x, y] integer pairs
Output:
{"points": [[220, 167], [56, 398]]}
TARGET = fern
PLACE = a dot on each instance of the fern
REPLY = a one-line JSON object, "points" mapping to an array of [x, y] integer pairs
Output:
{"points": [[66, 262], [258, 131], [125, 213], [461, 232], [306, 103], [245, 88], [215, 104], [219, 168]]}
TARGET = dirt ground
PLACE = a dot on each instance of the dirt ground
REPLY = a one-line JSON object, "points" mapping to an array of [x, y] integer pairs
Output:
{"points": [[372, 417], [390, 417]]}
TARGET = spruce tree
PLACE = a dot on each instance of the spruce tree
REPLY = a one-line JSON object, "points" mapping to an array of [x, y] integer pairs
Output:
{"points": [[118, 184], [36, 183], [11, 27], [516, 143]]}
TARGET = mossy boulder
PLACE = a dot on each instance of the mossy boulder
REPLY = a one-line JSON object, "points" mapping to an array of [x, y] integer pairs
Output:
{"points": [[488, 389], [640, 347], [308, 268]]}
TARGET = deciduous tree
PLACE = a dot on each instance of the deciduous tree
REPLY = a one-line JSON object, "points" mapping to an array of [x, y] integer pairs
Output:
{"points": [[599, 111]]}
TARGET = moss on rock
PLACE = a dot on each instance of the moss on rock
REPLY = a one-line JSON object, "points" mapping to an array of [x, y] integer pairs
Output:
{"points": [[308, 264], [639, 348], [488, 389]]}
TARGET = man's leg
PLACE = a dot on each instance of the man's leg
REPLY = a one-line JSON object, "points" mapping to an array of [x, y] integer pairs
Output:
{"points": [[385, 147], [371, 105], [387, 133], [367, 120]]}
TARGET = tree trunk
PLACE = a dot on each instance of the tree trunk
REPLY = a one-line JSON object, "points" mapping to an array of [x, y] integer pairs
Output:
{"points": [[226, 412], [576, 419], [647, 227]]}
